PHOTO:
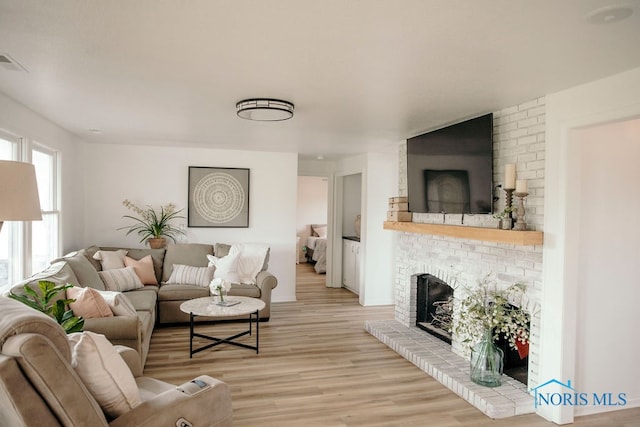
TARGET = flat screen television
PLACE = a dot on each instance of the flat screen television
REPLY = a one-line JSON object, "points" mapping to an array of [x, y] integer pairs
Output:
{"points": [[450, 170]]}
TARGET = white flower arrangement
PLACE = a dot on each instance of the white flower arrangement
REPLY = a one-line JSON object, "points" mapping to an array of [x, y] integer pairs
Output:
{"points": [[219, 286]]}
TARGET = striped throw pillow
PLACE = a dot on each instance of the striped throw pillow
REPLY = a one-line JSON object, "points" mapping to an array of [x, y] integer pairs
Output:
{"points": [[120, 279], [189, 275]]}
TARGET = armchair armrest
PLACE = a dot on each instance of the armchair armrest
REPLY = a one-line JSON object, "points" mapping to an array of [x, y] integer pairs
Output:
{"points": [[206, 406], [266, 281]]}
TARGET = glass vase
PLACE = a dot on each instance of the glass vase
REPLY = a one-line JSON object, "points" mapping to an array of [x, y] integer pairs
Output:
{"points": [[487, 362]]}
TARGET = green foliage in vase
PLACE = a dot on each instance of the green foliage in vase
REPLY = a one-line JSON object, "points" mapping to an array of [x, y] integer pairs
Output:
{"points": [[152, 224], [489, 307], [57, 309]]}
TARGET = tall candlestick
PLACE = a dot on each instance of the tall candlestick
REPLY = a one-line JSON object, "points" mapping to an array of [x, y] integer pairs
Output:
{"points": [[510, 176], [521, 186]]}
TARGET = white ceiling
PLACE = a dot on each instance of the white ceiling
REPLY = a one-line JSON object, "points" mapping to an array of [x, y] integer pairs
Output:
{"points": [[362, 74]]}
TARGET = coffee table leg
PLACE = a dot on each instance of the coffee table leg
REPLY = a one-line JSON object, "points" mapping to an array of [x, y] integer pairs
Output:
{"points": [[190, 335], [257, 332]]}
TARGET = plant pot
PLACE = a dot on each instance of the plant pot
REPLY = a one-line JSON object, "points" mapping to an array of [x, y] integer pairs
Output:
{"points": [[506, 223], [156, 242], [487, 362]]}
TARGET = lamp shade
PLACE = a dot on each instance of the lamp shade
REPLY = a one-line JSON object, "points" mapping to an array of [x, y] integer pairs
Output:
{"points": [[19, 199]]}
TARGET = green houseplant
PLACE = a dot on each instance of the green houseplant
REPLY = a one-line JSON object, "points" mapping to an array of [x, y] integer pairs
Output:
{"points": [[58, 309], [151, 225]]}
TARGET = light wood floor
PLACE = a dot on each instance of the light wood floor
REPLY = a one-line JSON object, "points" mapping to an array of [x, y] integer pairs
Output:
{"points": [[318, 367]]}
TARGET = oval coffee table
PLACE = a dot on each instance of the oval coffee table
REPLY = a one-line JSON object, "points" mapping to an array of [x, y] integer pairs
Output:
{"points": [[209, 306]]}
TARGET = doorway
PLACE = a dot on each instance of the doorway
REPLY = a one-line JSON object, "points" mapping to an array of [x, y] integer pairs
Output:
{"points": [[312, 222]]}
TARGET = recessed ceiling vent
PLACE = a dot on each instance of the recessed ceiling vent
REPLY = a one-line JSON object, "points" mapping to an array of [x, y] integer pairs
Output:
{"points": [[10, 64]]}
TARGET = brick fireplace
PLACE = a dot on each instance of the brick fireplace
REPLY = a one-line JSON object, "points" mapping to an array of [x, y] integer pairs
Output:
{"points": [[518, 138]]}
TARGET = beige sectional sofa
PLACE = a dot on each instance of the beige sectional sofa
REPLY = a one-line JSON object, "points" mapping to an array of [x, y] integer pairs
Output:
{"points": [[154, 304]]}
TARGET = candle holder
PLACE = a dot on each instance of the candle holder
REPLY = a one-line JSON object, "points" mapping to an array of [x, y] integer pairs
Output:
{"points": [[509, 204], [521, 225]]}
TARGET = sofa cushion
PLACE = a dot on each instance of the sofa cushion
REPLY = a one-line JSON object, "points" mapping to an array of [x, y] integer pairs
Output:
{"points": [[89, 303], [181, 292], [244, 290], [194, 254], [222, 250], [84, 270], [143, 268], [90, 252], [120, 279], [142, 299], [188, 275], [104, 373], [59, 273], [111, 260]]}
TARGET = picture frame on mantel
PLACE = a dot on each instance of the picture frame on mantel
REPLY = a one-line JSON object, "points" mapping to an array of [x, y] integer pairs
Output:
{"points": [[218, 197]]}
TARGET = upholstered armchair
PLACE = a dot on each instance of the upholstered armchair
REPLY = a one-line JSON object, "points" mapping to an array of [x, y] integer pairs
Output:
{"points": [[43, 381]]}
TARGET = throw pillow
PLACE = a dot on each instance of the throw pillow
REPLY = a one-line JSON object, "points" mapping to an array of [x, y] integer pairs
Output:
{"points": [[143, 268], [189, 275], [111, 259], [120, 279], [321, 232], [119, 304], [88, 303], [104, 373], [226, 267]]}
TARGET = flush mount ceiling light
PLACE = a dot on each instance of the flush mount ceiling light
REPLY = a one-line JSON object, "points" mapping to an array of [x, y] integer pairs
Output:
{"points": [[609, 14], [264, 109]]}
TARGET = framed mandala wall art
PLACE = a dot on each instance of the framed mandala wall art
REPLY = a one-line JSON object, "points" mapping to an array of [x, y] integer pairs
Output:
{"points": [[218, 197]]}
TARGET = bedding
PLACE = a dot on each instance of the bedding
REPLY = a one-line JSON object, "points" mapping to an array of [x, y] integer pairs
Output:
{"points": [[317, 252]]}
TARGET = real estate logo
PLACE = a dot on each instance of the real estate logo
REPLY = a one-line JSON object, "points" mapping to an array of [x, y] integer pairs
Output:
{"points": [[569, 396]]}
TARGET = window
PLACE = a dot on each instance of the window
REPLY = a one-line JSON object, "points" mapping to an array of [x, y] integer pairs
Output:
{"points": [[10, 260], [44, 234], [27, 247]]}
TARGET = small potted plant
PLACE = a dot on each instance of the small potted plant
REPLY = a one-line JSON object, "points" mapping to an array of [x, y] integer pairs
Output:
{"points": [[152, 226], [505, 222]]}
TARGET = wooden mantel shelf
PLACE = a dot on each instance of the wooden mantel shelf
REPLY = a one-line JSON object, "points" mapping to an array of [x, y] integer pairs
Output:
{"points": [[476, 233]]}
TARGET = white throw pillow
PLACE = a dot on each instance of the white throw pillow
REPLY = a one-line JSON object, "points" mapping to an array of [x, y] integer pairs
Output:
{"points": [[189, 275], [119, 303], [121, 279], [104, 373], [226, 267], [322, 232], [111, 259]]}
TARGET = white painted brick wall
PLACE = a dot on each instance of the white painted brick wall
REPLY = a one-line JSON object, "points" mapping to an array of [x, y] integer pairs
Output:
{"points": [[519, 137]]}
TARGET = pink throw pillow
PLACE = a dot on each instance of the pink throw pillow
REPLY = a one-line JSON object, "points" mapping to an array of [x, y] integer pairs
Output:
{"points": [[88, 303], [143, 268]]}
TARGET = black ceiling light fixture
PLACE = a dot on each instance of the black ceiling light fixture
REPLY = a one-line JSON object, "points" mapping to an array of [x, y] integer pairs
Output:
{"points": [[264, 109]]}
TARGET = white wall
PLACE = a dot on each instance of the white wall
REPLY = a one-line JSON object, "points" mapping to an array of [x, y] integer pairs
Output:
{"points": [[608, 258], [351, 203], [379, 182], [159, 175], [313, 202], [602, 101], [23, 122]]}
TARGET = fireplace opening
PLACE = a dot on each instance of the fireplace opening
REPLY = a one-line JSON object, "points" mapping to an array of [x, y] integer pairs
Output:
{"points": [[433, 305], [432, 293]]}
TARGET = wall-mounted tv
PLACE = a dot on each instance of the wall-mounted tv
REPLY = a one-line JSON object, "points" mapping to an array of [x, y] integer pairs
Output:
{"points": [[450, 170]]}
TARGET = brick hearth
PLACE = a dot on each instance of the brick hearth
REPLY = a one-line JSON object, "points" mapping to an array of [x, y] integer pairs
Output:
{"points": [[435, 357]]}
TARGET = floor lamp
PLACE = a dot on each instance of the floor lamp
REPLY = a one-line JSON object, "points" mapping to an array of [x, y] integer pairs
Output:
{"points": [[19, 199]]}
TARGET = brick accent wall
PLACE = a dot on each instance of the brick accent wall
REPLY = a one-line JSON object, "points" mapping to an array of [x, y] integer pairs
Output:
{"points": [[519, 137]]}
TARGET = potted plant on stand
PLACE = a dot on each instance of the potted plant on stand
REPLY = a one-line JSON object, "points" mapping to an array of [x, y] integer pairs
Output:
{"points": [[485, 313], [152, 226]]}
